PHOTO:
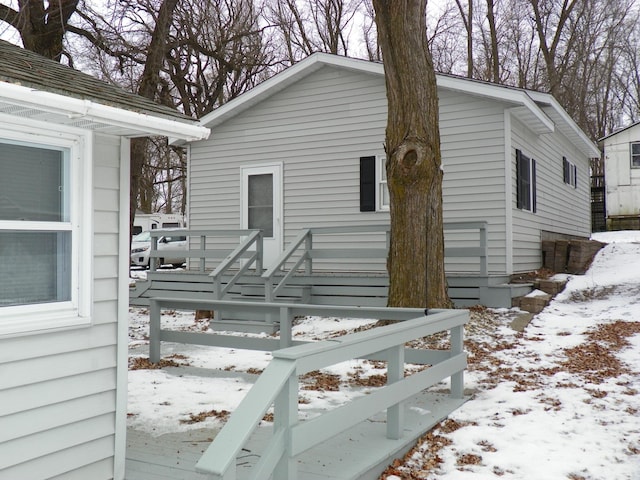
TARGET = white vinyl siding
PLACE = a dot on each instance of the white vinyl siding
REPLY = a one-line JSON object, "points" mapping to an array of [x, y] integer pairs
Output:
{"points": [[319, 128], [320, 153], [623, 180], [559, 210], [472, 145], [57, 390]]}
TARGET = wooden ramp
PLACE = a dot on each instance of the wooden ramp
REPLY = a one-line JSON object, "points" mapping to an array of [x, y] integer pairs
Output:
{"points": [[173, 456], [170, 456]]}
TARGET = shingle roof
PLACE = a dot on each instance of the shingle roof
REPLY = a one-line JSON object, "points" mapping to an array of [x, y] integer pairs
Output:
{"points": [[23, 67]]}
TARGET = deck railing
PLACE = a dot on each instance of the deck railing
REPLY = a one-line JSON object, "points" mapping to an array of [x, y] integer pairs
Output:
{"points": [[253, 239], [278, 384], [204, 252], [481, 251], [303, 246]]}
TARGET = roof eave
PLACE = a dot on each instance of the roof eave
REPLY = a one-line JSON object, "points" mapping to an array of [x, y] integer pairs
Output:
{"points": [[284, 79], [312, 63], [133, 124], [523, 105], [572, 130], [620, 130]]}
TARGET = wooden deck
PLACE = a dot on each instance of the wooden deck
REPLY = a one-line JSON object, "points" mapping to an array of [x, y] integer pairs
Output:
{"points": [[173, 456], [298, 275]]}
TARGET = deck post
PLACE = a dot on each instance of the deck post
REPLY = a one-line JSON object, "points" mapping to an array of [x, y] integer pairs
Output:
{"points": [[154, 331], [457, 347], [259, 252], [286, 320], [153, 261], [203, 260], [395, 373], [285, 416], [217, 287], [308, 246], [484, 257]]}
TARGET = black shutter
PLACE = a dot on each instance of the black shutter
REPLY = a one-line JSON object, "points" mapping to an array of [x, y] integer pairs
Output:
{"points": [[565, 170], [519, 202], [534, 202], [367, 184], [575, 176]]}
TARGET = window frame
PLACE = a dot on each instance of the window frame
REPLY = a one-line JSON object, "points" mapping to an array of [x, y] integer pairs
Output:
{"points": [[632, 155], [75, 312], [381, 184], [569, 173], [526, 189]]}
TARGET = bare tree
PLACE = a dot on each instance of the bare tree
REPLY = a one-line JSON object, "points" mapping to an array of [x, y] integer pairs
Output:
{"points": [[467, 20], [308, 26], [414, 174], [494, 59], [190, 55], [369, 33], [42, 24]]}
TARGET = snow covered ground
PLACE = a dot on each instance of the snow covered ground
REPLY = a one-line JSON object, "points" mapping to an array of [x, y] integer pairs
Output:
{"points": [[559, 401]]}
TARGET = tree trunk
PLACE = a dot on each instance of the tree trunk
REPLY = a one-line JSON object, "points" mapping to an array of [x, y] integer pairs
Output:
{"points": [[41, 24], [149, 84], [414, 174], [467, 20], [493, 33]]}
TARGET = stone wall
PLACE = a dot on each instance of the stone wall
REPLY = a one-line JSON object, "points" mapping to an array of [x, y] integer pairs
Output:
{"points": [[569, 256]]}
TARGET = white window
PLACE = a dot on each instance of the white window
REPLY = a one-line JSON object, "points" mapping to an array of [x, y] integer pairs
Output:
{"points": [[374, 191], [44, 266], [635, 155], [569, 173], [525, 182], [381, 182]]}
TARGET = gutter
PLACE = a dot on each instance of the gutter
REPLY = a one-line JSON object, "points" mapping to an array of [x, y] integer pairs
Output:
{"points": [[139, 124]]}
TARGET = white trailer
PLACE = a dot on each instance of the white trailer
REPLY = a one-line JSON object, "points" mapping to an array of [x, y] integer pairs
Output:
{"points": [[151, 221]]}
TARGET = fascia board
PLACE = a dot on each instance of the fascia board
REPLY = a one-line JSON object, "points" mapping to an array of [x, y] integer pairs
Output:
{"points": [[588, 147], [136, 124], [500, 93], [283, 79], [616, 132]]}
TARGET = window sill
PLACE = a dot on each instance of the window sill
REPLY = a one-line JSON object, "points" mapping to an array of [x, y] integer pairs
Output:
{"points": [[22, 323]]}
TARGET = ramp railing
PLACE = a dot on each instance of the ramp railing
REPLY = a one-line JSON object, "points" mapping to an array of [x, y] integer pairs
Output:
{"points": [[278, 385]]}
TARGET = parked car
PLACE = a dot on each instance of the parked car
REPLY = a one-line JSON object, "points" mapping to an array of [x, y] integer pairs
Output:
{"points": [[141, 247]]}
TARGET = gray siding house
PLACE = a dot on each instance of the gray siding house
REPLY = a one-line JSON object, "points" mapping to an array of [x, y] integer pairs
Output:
{"points": [[622, 178], [305, 149], [64, 259]]}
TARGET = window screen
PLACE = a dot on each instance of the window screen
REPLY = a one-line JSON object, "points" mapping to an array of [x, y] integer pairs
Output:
{"points": [[35, 229]]}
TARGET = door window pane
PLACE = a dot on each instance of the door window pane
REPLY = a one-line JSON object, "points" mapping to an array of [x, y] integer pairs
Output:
{"points": [[260, 203]]}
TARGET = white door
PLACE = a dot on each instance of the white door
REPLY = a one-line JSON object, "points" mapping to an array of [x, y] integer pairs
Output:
{"points": [[261, 206]]}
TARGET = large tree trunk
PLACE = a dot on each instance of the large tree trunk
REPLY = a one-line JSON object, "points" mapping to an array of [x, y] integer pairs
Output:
{"points": [[414, 174], [149, 87]]}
